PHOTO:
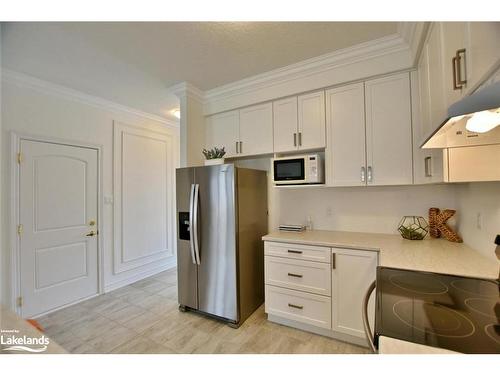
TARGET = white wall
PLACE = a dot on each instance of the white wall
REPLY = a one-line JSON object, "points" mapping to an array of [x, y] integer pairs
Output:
{"points": [[479, 198], [32, 111], [360, 209]]}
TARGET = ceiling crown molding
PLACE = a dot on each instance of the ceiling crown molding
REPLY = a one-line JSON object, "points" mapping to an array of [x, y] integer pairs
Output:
{"points": [[413, 33], [186, 89], [24, 80]]}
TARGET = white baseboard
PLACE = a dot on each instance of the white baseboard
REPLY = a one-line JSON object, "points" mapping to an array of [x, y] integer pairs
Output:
{"points": [[319, 331], [171, 264]]}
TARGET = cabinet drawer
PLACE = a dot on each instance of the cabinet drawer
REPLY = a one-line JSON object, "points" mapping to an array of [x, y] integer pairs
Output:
{"points": [[301, 275], [296, 251], [299, 306]]}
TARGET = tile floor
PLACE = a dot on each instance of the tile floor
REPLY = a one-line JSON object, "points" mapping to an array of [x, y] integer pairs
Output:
{"points": [[144, 318]]}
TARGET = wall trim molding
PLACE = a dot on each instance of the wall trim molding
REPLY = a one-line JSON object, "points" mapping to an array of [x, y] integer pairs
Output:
{"points": [[413, 33], [46, 87]]}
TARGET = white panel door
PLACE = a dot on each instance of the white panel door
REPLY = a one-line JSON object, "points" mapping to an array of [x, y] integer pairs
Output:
{"points": [[353, 272], [256, 130], [58, 208], [311, 117], [285, 124], [345, 128], [143, 197], [223, 130], [388, 131]]}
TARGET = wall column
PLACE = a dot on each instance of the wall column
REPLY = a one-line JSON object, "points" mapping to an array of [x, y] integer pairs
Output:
{"points": [[192, 124]]}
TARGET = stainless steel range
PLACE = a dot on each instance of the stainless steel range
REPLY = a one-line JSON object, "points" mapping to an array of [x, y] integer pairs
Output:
{"points": [[451, 312]]}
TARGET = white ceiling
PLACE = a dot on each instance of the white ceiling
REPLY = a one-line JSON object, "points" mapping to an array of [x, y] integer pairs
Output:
{"points": [[133, 63]]}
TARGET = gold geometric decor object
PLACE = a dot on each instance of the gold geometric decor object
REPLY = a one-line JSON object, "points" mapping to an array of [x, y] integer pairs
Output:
{"points": [[438, 226]]}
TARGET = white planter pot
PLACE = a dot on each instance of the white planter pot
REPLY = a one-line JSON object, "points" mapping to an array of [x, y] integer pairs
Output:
{"points": [[214, 161]]}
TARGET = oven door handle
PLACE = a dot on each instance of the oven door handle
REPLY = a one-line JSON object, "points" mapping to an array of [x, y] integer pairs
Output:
{"points": [[366, 323]]}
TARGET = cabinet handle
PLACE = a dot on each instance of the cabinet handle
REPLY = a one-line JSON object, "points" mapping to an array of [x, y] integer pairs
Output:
{"points": [[363, 174], [370, 174], [294, 275], [460, 81], [428, 166], [295, 251], [454, 64], [237, 147], [295, 306], [295, 139], [241, 147], [300, 138], [333, 261]]}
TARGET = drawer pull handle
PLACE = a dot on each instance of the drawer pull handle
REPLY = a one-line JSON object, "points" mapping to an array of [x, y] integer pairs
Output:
{"points": [[295, 306], [294, 274], [295, 251]]}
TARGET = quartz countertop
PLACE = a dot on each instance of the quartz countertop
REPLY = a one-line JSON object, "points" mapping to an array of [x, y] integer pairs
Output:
{"points": [[429, 255], [388, 345], [12, 324]]}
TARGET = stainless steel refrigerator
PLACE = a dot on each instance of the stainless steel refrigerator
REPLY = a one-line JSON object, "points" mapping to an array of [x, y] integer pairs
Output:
{"points": [[221, 217]]}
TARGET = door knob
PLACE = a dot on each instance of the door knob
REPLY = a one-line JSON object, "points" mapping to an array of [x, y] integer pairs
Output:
{"points": [[92, 223], [91, 233]]}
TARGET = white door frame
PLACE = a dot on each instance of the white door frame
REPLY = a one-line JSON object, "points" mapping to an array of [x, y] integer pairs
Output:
{"points": [[15, 143]]}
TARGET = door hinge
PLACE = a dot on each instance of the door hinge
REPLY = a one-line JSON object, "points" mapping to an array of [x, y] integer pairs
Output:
{"points": [[19, 301], [20, 158], [20, 229]]}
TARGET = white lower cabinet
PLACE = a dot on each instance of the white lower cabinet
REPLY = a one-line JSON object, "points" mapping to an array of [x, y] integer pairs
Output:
{"points": [[318, 288], [352, 273]]}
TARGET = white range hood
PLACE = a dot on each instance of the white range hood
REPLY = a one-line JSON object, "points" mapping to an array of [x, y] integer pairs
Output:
{"points": [[472, 121]]}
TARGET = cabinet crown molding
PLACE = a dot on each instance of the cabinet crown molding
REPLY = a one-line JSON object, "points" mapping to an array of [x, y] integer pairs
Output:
{"points": [[184, 89]]}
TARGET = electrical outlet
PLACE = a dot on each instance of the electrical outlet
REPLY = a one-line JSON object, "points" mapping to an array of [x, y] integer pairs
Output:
{"points": [[328, 211], [479, 221]]}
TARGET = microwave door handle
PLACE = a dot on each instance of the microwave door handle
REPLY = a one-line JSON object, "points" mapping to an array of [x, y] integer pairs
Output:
{"points": [[191, 223], [195, 229]]}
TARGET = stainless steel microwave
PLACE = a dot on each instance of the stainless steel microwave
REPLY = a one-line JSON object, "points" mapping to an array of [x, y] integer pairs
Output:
{"points": [[298, 170]]}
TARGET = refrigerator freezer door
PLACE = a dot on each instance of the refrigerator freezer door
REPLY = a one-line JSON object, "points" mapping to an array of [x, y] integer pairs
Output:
{"points": [[217, 291], [186, 267]]}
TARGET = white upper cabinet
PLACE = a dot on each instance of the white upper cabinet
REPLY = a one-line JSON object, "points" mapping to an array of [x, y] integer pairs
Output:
{"points": [[311, 120], [222, 130], [345, 151], [484, 46], [388, 131], [256, 130], [453, 38], [427, 163], [285, 125]]}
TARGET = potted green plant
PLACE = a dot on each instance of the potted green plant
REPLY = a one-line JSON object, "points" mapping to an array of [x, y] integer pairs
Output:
{"points": [[214, 156]]}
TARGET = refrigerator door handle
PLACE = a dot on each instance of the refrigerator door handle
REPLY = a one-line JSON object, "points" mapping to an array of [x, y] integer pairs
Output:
{"points": [[195, 222], [191, 223]]}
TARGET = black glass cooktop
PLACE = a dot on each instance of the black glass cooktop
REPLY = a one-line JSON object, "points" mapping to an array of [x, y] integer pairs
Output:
{"points": [[450, 312]]}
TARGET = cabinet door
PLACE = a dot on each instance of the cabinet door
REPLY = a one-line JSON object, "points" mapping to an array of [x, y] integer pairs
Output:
{"points": [[437, 103], [285, 125], [311, 113], [427, 163], [388, 131], [353, 272], [453, 38], [345, 128], [256, 130], [484, 55], [222, 130]]}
